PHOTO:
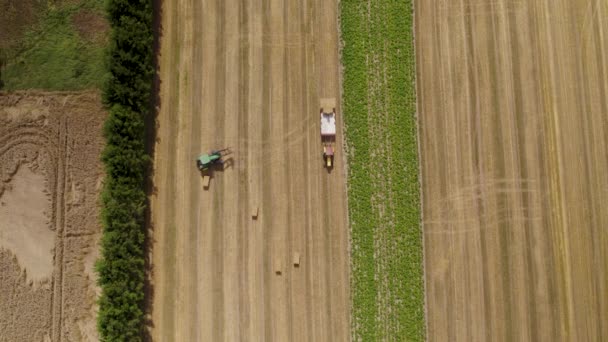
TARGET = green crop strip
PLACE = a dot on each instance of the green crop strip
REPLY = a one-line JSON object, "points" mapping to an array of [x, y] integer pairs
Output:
{"points": [[383, 187]]}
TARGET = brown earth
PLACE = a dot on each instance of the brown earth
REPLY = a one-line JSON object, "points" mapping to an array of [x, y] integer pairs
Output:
{"points": [[50, 177], [248, 75], [91, 25], [16, 16], [513, 129]]}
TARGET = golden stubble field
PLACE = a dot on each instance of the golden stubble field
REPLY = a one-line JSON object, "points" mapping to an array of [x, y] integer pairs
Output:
{"points": [[50, 178], [248, 75], [513, 122]]}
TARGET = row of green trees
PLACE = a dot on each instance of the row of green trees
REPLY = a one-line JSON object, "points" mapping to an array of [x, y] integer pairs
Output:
{"points": [[127, 95]]}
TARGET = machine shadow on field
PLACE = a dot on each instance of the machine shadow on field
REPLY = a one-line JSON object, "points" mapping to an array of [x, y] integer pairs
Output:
{"points": [[151, 129], [228, 164]]}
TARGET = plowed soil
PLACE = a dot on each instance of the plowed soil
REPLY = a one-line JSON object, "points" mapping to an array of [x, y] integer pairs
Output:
{"points": [[50, 177], [248, 75], [514, 128]]}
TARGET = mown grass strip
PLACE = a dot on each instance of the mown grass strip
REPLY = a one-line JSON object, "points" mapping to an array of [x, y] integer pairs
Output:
{"points": [[383, 186]]}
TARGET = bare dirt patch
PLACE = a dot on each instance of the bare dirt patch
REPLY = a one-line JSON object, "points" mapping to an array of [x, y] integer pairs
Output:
{"points": [[15, 17], [24, 229], [50, 176], [90, 25]]}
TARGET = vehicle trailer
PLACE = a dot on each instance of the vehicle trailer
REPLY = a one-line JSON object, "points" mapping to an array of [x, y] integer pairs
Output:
{"points": [[328, 130]]}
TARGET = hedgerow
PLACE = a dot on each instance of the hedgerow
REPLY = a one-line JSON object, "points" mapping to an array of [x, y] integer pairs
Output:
{"points": [[127, 94], [383, 187]]}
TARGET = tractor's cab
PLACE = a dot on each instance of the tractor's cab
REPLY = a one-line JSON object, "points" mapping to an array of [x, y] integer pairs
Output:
{"points": [[205, 161]]}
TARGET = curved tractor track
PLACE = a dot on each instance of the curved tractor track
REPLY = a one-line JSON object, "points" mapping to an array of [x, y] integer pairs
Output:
{"points": [[248, 75], [50, 178]]}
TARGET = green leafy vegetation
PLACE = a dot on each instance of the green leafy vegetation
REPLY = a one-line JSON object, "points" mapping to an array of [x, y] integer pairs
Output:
{"points": [[52, 51], [383, 187], [127, 93]]}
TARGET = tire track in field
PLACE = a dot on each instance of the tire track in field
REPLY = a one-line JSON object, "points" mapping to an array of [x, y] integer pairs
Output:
{"points": [[520, 70], [278, 115], [268, 218], [60, 221], [257, 256], [308, 97], [209, 281], [546, 281], [244, 208], [217, 226], [164, 205], [184, 138], [196, 147], [300, 223], [188, 179], [230, 176], [336, 229], [292, 115], [318, 226]]}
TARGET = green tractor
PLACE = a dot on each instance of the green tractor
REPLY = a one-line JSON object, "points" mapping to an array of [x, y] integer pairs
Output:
{"points": [[215, 157]]}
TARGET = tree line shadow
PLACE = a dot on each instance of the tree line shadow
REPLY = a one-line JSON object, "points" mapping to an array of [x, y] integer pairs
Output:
{"points": [[151, 129]]}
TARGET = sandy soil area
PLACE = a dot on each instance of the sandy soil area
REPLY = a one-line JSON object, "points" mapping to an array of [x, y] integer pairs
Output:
{"points": [[513, 127], [248, 75], [50, 177]]}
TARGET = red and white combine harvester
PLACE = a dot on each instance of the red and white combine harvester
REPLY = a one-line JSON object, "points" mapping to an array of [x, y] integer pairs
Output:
{"points": [[328, 130]]}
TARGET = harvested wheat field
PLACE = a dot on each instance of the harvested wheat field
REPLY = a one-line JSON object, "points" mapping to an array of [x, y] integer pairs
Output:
{"points": [[50, 177], [248, 75], [513, 127]]}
